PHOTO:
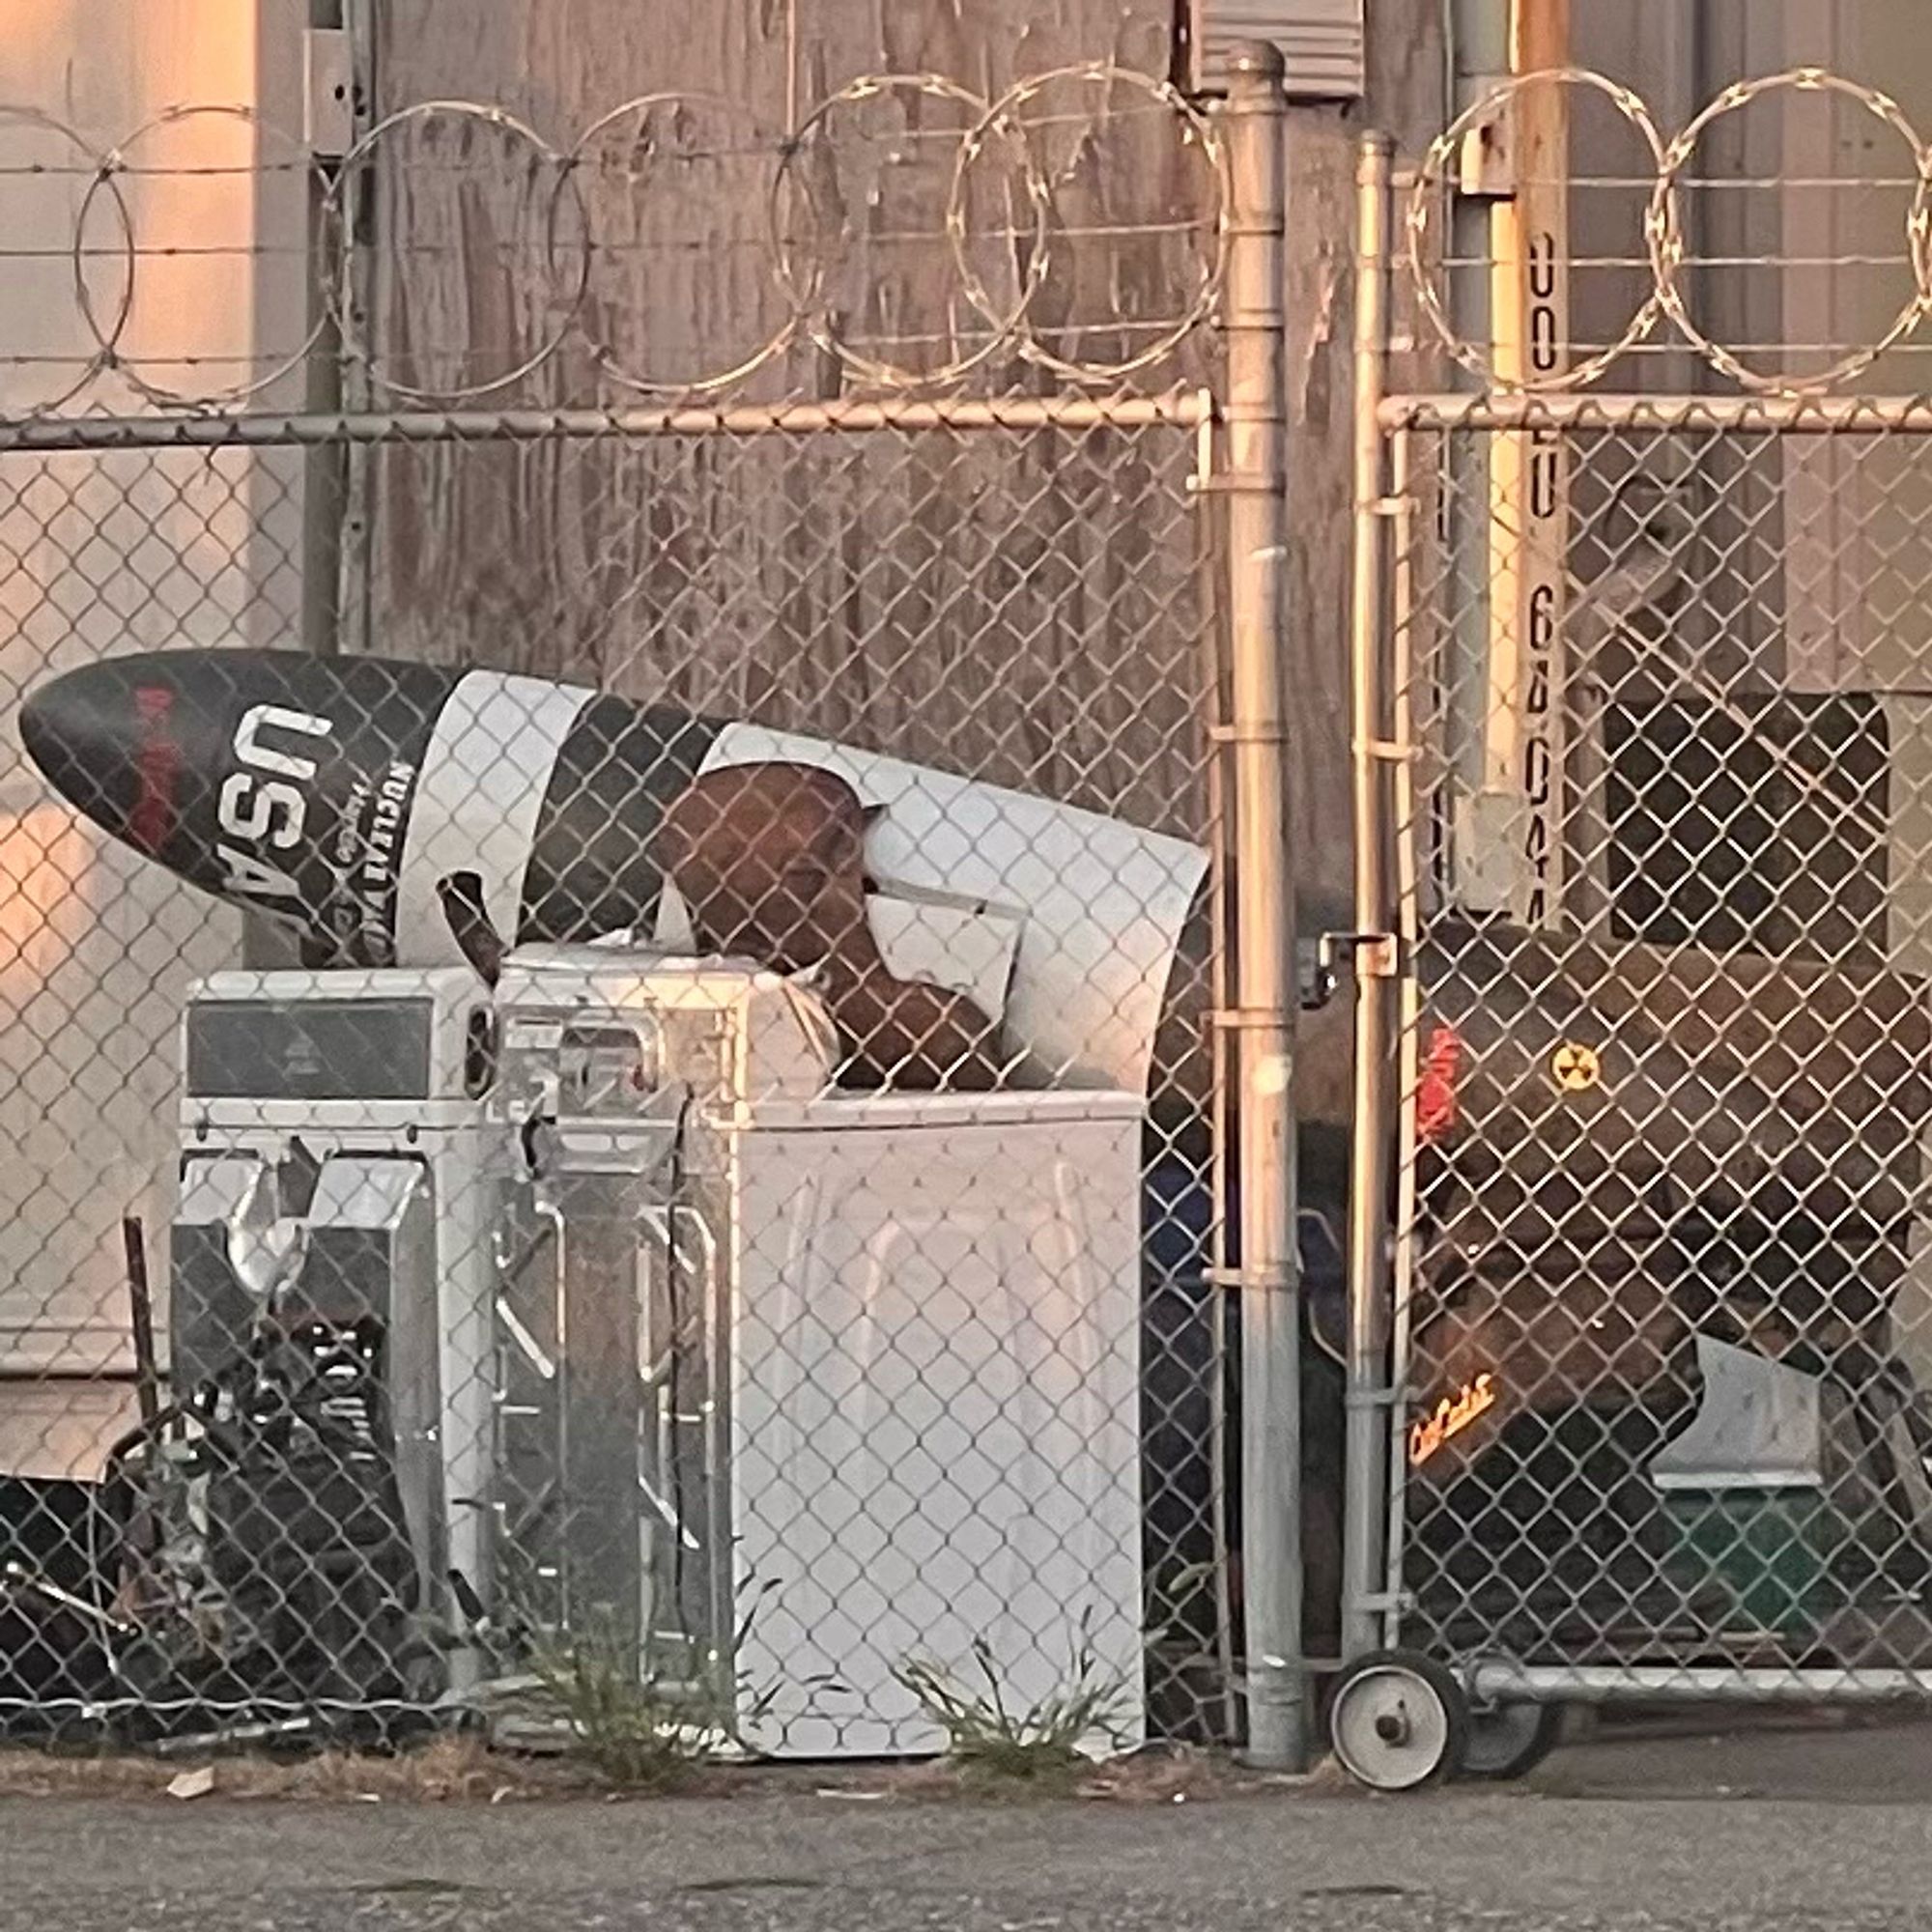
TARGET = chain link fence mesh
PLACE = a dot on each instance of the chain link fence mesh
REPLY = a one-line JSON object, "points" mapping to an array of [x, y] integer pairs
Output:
{"points": [[672, 1120], [1651, 804], [1666, 1070]]}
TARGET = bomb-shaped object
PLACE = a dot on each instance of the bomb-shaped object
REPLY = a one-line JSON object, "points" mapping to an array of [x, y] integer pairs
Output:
{"points": [[341, 796]]}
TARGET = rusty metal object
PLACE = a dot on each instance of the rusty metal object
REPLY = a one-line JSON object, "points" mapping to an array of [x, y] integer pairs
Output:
{"points": [[1727, 1081]]}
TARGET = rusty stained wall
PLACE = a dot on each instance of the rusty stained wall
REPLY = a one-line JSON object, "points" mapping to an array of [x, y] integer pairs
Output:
{"points": [[683, 278], [1027, 608]]}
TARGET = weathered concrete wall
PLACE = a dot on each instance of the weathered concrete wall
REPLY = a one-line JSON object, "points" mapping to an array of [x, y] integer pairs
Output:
{"points": [[101, 554]]}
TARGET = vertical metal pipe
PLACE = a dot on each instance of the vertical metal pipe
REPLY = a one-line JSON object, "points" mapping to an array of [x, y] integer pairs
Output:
{"points": [[324, 465], [364, 286], [265, 944], [1401, 671], [141, 1320], [1371, 751], [1478, 36], [1264, 949], [1209, 562]]}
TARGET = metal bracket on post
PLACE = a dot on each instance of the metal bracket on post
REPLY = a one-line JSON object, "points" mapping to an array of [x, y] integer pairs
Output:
{"points": [[1486, 161], [1376, 955], [331, 103]]}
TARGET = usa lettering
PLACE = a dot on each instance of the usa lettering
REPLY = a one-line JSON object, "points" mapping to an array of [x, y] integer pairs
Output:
{"points": [[263, 806]]}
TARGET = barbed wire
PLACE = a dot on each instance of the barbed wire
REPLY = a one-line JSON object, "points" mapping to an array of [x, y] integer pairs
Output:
{"points": [[1000, 232], [1666, 254]]}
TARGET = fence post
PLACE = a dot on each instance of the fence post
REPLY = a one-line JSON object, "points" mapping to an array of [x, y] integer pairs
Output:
{"points": [[1368, 1418], [1255, 483]]}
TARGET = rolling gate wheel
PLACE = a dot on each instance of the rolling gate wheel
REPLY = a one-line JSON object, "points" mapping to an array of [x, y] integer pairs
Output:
{"points": [[1399, 1720], [1507, 1741]]}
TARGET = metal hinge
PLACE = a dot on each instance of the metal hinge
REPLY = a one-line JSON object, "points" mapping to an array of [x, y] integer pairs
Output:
{"points": [[1376, 955], [1486, 160]]}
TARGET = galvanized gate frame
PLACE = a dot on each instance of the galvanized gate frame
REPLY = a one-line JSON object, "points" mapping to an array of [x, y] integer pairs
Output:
{"points": [[1390, 918]]}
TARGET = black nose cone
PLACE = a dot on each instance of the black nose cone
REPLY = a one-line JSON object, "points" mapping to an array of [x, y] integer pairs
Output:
{"points": [[133, 743], [255, 775]]}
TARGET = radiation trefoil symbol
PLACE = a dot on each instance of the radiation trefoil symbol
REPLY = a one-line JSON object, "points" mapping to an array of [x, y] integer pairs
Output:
{"points": [[1575, 1067]]}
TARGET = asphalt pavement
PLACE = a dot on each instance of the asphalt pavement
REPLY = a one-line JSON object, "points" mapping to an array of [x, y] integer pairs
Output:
{"points": [[1762, 1830]]}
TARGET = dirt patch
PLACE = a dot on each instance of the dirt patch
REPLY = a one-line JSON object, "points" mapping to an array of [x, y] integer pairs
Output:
{"points": [[446, 1770], [1177, 1775], [466, 1770]]}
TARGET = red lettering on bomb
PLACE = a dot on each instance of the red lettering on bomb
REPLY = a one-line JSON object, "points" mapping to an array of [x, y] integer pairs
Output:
{"points": [[156, 771], [1436, 1109]]}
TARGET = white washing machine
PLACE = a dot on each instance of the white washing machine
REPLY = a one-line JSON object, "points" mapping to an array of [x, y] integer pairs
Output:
{"points": [[834, 1382]]}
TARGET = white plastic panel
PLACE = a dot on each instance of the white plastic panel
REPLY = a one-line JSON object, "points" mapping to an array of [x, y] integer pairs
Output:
{"points": [[970, 951], [934, 1413], [1103, 902], [362, 1192], [1757, 1428]]}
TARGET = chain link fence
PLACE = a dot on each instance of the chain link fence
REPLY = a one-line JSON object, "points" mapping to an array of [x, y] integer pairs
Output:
{"points": [[1668, 1133], [644, 1123], [1643, 678]]}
